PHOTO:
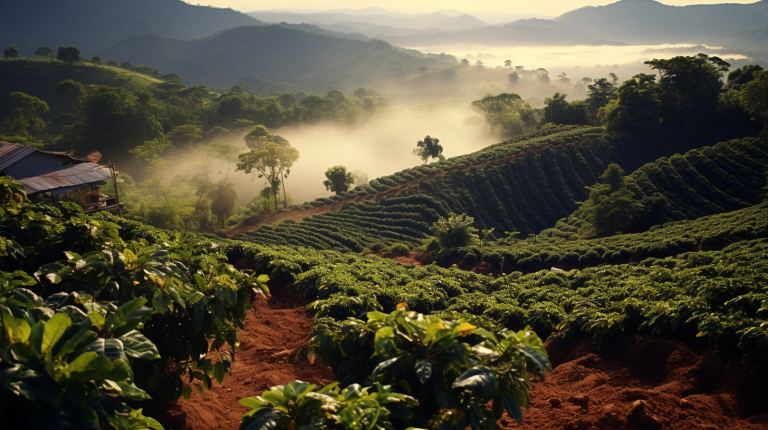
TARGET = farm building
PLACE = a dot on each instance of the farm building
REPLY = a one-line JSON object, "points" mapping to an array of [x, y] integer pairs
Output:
{"points": [[57, 176]]}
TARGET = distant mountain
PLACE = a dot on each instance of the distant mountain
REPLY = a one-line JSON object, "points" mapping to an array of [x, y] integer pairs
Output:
{"points": [[522, 32], [416, 21], [379, 31], [275, 53], [93, 25], [650, 22]]}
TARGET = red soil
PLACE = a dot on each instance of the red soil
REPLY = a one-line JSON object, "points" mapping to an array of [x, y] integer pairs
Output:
{"points": [[412, 258], [276, 325], [644, 382], [638, 382]]}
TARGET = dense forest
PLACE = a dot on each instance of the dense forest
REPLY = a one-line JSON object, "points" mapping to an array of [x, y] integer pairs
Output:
{"points": [[449, 295]]}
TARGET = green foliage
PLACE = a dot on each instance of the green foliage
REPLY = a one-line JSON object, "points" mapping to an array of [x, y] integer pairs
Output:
{"points": [[452, 368], [599, 94], [689, 87], [753, 97], [26, 117], [558, 111], [456, 231], [69, 54], [637, 108], [507, 114], [338, 179], [429, 148], [113, 322], [272, 162], [300, 405], [96, 59], [611, 206]]}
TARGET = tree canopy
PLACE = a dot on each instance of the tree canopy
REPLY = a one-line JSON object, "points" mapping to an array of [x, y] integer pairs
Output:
{"points": [[429, 148], [11, 52], [69, 54], [338, 179], [272, 162], [689, 89], [637, 108], [610, 207]]}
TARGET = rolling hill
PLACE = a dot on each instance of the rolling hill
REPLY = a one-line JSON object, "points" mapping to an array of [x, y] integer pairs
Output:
{"points": [[527, 186], [651, 22], [528, 32], [275, 53], [40, 77], [93, 25]]}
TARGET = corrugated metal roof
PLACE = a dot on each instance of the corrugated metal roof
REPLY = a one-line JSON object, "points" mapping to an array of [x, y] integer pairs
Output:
{"points": [[11, 153], [80, 174]]}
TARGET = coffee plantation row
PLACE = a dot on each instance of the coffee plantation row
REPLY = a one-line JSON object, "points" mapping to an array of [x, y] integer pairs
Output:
{"points": [[534, 191]]}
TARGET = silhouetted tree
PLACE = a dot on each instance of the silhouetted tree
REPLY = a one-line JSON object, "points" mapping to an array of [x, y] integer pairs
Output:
{"points": [[637, 108], [69, 54], [338, 180], [754, 97], [558, 111], [96, 59], [44, 52], [75, 92], [11, 53], [26, 116], [689, 89], [508, 63], [429, 148], [599, 94]]}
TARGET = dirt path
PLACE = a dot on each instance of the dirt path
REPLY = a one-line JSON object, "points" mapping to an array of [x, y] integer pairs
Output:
{"points": [[639, 382], [276, 325]]}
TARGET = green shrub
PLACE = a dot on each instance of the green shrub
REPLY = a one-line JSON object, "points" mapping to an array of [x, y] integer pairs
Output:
{"points": [[452, 368]]}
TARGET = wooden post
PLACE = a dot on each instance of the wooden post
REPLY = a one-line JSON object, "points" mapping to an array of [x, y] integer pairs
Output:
{"points": [[114, 185]]}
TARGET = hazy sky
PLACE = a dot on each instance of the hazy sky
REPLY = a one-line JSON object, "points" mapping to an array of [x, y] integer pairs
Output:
{"points": [[543, 7]]}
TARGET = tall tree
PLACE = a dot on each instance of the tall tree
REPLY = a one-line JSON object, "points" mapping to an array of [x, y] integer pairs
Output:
{"points": [[637, 108], [429, 148], [508, 63], [339, 179], [27, 113], [558, 111], [11, 53], [599, 94], [75, 92], [754, 97], [69, 54], [223, 199], [45, 52], [690, 89], [272, 162]]}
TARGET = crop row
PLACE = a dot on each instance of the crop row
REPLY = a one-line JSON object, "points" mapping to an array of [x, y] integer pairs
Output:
{"points": [[551, 249], [532, 192], [356, 226]]}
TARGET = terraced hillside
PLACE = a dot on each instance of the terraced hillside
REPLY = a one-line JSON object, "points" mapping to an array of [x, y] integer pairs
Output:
{"points": [[524, 185]]}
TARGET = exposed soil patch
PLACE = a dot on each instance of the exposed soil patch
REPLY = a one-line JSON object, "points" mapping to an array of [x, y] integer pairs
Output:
{"points": [[644, 382], [413, 258], [639, 382], [273, 331]]}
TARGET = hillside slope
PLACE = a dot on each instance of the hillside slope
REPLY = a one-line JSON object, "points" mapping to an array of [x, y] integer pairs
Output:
{"points": [[527, 191], [92, 25], [40, 77], [276, 53]]}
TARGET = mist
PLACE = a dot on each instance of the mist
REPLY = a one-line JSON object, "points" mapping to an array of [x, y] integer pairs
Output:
{"points": [[381, 146]]}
